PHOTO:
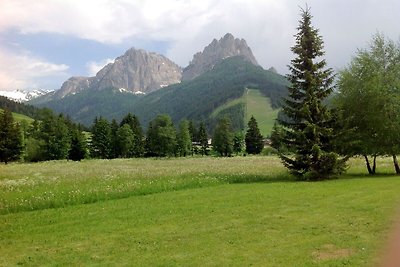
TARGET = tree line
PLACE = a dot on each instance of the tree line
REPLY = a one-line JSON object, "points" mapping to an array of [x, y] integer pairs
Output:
{"points": [[56, 137]]}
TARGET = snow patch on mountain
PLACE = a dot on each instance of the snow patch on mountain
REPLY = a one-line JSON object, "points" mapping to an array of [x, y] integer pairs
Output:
{"points": [[23, 95]]}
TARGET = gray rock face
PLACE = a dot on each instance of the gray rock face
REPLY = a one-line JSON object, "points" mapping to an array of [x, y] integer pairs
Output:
{"points": [[228, 46], [136, 71]]}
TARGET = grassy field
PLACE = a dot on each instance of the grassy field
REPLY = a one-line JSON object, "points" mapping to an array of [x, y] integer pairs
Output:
{"points": [[259, 106], [191, 212]]}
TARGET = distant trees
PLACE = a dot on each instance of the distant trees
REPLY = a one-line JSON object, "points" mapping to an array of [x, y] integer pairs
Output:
{"points": [[55, 136], [238, 142], [10, 138], [161, 137], [309, 131], [100, 145], [78, 147], [203, 139], [369, 102], [222, 140], [184, 139], [137, 131], [253, 138]]}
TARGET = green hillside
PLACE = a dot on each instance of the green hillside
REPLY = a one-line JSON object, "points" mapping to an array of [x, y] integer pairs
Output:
{"points": [[260, 107], [20, 117], [252, 103], [21, 111]]}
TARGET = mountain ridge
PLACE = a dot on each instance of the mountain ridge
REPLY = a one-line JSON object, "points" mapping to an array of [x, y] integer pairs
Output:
{"points": [[216, 51]]}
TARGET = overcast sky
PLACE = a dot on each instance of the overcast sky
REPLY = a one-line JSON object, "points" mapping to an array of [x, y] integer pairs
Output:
{"points": [[43, 43]]}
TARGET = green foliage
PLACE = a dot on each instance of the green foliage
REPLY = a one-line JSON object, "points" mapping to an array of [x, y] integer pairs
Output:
{"points": [[138, 143], [369, 101], [101, 139], [161, 137], [183, 139], [203, 139], [34, 150], [309, 132], [78, 149], [10, 138], [55, 136], [238, 142], [222, 140], [253, 139], [125, 141]]}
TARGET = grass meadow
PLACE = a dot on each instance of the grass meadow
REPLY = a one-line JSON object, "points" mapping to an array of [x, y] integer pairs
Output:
{"points": [[192, 212]]}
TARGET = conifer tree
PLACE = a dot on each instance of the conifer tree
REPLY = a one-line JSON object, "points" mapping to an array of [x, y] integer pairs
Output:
{"points": [[101, 139], [184, 139], [10, 138], [138, 142], [238, 142], [55, 137], [114, 142], [203, 139], [253, 138], [125, 141], [309, 131], [222, 140], [78, 148]]}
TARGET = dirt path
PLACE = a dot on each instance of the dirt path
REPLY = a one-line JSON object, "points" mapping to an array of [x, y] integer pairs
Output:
{"points": [[391, 254]]}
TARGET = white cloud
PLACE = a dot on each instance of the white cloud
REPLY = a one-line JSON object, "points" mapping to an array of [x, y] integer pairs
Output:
{"points": [[189, 25], [93, 67], [23, 71]]}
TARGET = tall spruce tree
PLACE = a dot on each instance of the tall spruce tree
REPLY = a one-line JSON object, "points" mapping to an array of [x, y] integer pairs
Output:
{"points": [[10, 138], [309, 130], [253, 138]]}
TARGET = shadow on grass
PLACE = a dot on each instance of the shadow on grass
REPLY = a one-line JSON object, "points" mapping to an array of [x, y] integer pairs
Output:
{"points": [[367, 176], [248, 179]]}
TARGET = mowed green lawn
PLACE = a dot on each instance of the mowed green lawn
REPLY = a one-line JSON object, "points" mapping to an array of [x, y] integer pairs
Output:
{"points": [[247, 212]]}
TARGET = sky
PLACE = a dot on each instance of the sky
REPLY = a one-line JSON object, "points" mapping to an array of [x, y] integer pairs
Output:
{"points": [[43, 43]]}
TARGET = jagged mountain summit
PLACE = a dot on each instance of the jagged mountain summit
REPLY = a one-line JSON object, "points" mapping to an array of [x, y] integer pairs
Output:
{"points": [[215, 52], [137, 71]]}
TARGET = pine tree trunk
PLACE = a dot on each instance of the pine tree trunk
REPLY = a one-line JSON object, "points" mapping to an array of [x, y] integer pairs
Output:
{"points": [[396, 165], [368, 165]]}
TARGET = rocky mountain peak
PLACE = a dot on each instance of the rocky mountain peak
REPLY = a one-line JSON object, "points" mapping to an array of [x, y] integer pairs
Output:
{"points": [[137, 71], [217, 50]]}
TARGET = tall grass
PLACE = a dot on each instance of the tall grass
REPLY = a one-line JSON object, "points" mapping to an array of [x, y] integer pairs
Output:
{"points": [[53, 184]]}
